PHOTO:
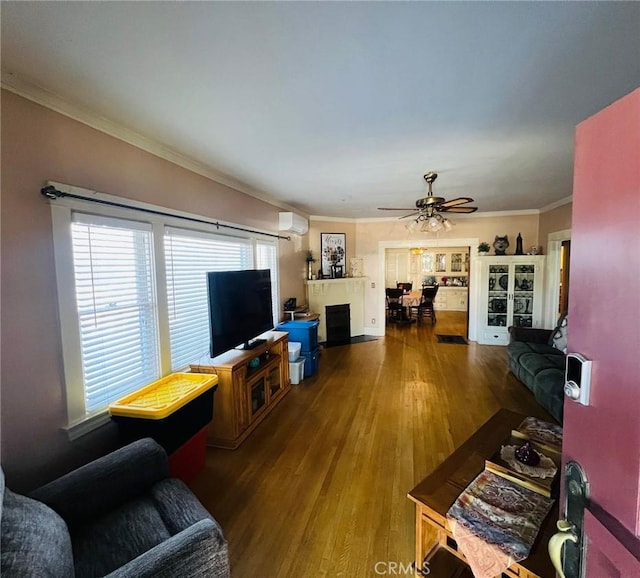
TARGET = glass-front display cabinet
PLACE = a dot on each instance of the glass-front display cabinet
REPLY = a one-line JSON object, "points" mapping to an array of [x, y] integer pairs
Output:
{"points": [[510, 294]]}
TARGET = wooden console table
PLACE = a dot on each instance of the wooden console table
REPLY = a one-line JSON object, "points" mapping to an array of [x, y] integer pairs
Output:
{"points": [[436, 549]]}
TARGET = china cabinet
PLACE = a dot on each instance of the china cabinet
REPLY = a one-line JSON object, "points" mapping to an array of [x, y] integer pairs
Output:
{"points": [[448, 266], [510, 294]]}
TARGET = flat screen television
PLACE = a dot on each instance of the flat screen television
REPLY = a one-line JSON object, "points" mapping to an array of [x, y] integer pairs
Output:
{"points": [[240, 308]]}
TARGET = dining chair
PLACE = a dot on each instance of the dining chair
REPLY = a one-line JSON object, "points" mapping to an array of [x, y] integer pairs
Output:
{"points": [[426, 306], [405, 286], [395, 308]]}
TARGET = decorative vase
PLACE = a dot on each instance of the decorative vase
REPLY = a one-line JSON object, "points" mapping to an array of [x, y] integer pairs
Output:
{"points": [[309, 270], [356, 266], [527, 455]]}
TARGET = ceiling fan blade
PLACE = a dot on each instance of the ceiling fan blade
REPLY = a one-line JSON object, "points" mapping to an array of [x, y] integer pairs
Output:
{"points": [[457, 209], [409, 215], [455, 202], [429, 205]]}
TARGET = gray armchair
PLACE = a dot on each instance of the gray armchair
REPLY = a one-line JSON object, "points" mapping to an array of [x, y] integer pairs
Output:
{"points": [[118, 516]]}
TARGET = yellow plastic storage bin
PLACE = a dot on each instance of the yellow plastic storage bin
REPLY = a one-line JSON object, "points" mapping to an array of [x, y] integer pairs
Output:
{"points": [[170, 410], [161, 398]]}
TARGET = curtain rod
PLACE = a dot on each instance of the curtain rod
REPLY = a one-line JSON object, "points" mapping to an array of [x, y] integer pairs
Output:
{"points": [[51, 192]]}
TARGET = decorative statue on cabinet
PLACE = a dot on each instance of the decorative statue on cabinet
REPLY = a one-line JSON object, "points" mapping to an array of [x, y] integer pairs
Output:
{"points": [[500, 245]]}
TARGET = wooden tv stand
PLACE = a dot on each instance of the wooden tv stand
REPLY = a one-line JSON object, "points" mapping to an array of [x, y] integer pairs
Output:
{"points": [[436, 550], [246, 394]]}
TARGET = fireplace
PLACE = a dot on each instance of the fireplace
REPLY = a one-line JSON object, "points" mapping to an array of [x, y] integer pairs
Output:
{"points": [[323, 293], [338, 321]]}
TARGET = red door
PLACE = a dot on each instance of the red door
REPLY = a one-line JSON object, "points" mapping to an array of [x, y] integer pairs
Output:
{"points": [[604, 326]]}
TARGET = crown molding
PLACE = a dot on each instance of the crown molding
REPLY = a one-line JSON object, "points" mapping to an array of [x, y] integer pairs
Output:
{"points": [[455, 216], [30, 91], [557, 204], [332, 219]]}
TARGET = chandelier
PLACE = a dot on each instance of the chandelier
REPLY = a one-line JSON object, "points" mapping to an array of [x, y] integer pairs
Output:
{"points": [[429, 221]]}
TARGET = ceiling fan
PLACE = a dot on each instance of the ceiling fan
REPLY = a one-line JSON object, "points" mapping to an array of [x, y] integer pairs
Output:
{"points": [[430, 205], [428, 209]]}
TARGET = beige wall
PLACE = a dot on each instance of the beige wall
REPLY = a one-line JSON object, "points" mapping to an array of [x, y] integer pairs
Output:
{"points": [[553, 221], [39, 145], [364, 238], [348, 228], [369, 234]]}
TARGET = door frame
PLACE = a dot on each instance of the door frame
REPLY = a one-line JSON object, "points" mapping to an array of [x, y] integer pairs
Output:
{"points": [[552, 277], [471, 242]]}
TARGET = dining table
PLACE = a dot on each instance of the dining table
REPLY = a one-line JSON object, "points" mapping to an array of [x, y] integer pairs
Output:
{"points": [[412, 299], [408, 300]]}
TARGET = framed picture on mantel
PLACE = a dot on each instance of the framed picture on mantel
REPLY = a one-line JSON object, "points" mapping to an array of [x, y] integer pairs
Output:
{"points": [[333, 248]]}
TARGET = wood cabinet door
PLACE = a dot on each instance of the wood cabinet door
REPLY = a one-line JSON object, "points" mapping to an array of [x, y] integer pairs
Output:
{"points": [[275, 384], [242, 408], [256, 393]]}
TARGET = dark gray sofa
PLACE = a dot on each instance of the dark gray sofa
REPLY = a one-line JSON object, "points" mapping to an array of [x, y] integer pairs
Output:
{"points": [[537, 358], [119, 516]]}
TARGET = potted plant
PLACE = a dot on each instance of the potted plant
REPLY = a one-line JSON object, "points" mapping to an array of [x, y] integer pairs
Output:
{"points": [[483, 248]]}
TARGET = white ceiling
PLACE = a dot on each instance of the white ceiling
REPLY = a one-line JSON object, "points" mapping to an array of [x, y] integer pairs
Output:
{"points": [[336, 108]]}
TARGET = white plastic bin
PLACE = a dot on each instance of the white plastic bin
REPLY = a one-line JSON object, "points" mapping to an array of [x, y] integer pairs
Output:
{"points": [[296, 370], [294, 351]]}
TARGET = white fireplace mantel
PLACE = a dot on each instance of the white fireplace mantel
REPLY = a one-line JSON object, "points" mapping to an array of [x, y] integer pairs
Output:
{"points": [[348, 290]]}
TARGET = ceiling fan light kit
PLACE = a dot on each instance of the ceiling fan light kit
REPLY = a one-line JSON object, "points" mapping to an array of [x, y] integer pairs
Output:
{"points": [[429, 224], [428, 209], [435, 224]]}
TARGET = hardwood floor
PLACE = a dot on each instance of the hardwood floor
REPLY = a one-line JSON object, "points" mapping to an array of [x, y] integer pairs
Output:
{"points": [[319, 489]]}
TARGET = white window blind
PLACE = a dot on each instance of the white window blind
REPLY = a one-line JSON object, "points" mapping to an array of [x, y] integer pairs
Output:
{"points": [[267, 258], [189, 255], [116, 305]]}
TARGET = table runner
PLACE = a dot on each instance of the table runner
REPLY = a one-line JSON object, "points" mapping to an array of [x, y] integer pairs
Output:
{"points": [[495, 522], [541, 431]]}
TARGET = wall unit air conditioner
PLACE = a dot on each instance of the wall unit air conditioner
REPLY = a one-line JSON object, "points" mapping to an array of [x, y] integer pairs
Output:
{"points": [[294, 223]]}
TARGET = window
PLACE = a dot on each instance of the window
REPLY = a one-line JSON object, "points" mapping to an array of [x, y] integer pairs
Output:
{"points": [[116, 307], [267, 258], [189, 256], [132, 295]]}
